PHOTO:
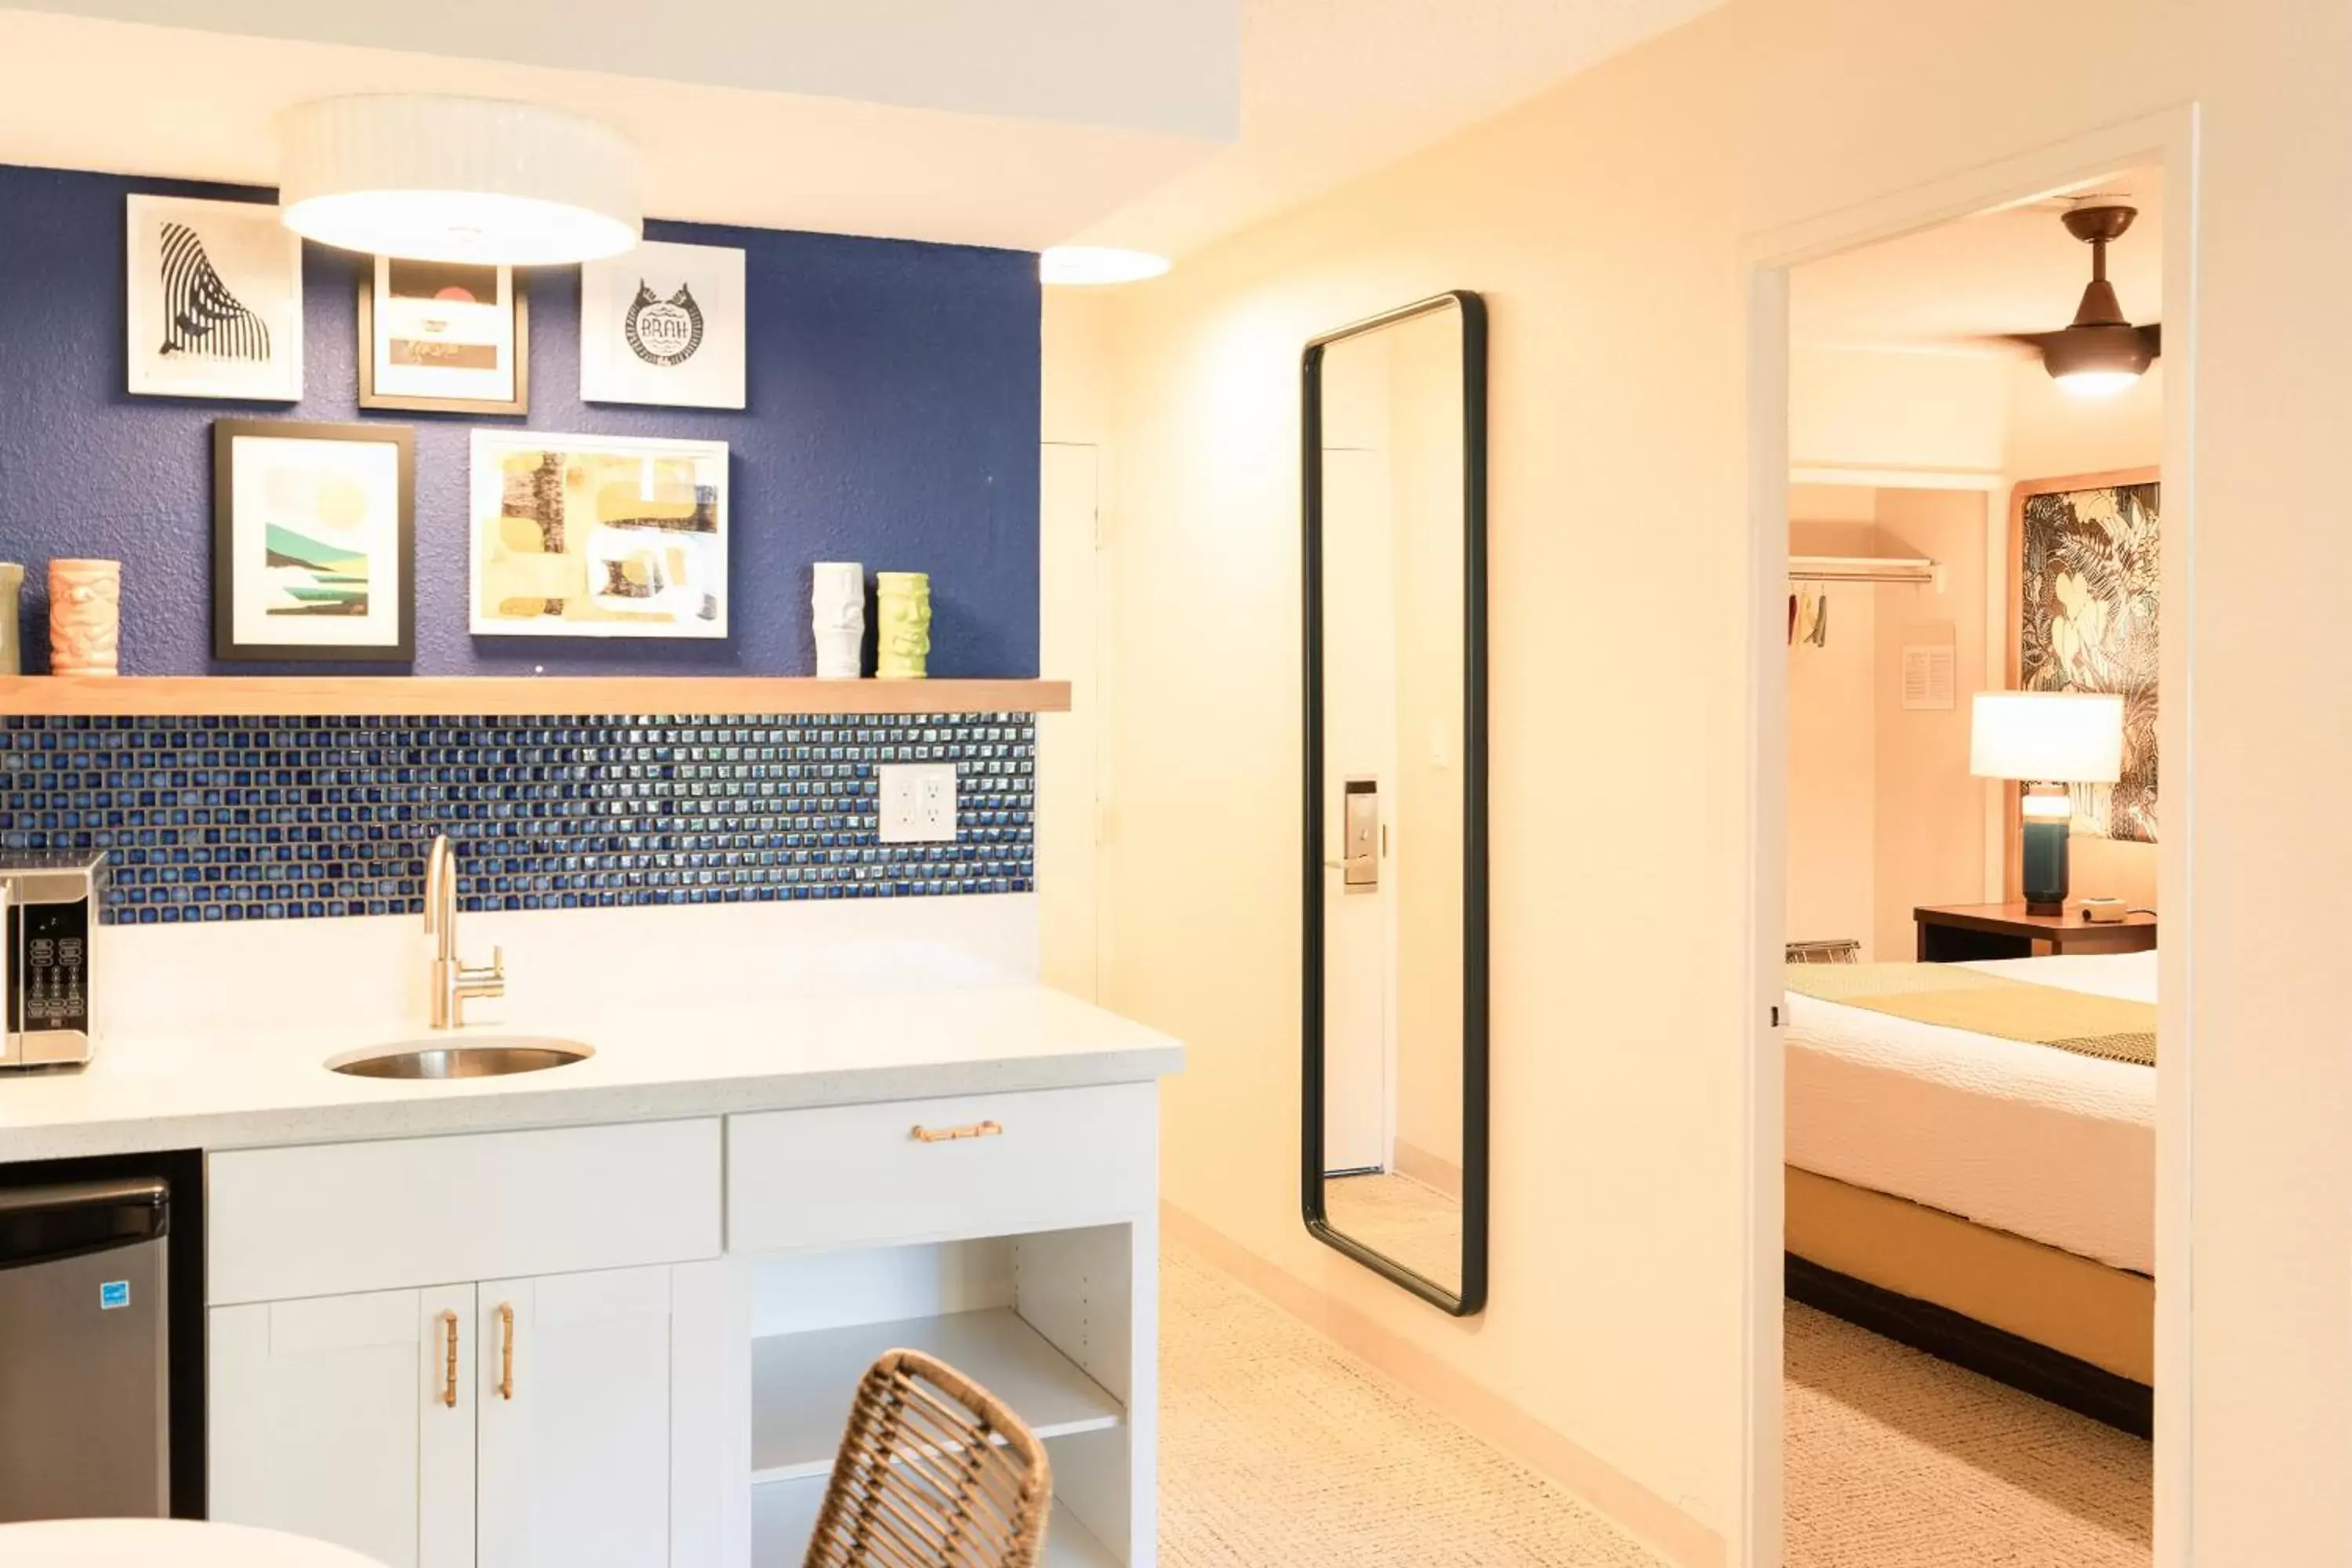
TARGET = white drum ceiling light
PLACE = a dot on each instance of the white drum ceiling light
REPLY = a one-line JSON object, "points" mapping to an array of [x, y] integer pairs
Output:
{"points": [[1098, 265], [457, 179]]}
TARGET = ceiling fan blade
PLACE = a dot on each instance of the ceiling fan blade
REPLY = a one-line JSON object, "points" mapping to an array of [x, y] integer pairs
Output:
{"points": [[2152, 334]]}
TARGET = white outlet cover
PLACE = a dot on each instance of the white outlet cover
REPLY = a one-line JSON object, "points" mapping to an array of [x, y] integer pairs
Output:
{"points": [[918, 803]]}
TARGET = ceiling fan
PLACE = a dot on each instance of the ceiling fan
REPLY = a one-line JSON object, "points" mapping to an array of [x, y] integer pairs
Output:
{"points": [[2101, 354]]}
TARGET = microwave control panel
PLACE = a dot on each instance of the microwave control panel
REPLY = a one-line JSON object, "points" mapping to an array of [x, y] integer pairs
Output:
{"points": [[48, 946]]}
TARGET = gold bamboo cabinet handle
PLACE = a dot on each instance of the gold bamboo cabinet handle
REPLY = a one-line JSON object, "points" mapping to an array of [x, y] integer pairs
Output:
{"points": [[506, 1349], [449, 1365], [923, 1134]]}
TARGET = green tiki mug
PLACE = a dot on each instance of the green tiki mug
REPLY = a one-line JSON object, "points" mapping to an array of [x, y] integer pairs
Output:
{"points": [[903, 603], [12, 641]]}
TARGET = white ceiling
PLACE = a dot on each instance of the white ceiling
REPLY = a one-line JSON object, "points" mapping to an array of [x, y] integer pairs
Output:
{"points": [[1951, 288], [1022, 123], [127, 98], [1170, 66], [1333, 89]]}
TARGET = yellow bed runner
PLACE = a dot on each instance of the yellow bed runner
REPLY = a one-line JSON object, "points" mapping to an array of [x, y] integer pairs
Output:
{"points": [[2106, 1027]]}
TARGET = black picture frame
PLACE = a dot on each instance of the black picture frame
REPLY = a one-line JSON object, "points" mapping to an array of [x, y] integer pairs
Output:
{"points": [[225, 647], [1470, 1298], [518, 294]]}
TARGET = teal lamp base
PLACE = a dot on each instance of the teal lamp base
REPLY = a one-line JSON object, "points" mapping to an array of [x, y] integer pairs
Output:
{"points": [[2048, 824]]}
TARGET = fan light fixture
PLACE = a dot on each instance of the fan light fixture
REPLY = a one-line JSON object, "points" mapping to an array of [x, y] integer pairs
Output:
{"points": [[2102, 353], [1098, 265], [434, 178]]}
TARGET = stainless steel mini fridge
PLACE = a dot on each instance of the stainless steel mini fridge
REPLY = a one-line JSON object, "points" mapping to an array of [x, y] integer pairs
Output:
{"points": [[85, 1365]]}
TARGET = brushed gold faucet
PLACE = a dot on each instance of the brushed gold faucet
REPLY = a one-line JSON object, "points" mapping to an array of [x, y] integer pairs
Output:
{"points": [[453, 981]]}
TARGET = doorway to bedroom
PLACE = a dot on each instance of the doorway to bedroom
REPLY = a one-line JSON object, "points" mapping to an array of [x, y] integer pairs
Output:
{"points": [[1973, 794]]}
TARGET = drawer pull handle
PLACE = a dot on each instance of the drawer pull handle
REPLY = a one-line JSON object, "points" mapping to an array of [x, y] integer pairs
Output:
{"points": [[506, 1349], [450, 1366], [923, 1134]]}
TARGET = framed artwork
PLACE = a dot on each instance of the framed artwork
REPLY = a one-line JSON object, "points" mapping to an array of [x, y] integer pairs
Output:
{"points": [[663, 324], [314, 540], [212, 300], [597, 536], [444, 336], [2086, 591]]}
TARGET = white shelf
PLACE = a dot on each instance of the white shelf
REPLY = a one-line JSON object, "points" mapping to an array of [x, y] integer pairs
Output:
{"points": [[783, 1516], [802, 1384]]}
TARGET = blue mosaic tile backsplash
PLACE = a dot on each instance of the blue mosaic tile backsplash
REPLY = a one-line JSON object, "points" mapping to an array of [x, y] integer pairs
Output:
{"points": [[244, 819]]}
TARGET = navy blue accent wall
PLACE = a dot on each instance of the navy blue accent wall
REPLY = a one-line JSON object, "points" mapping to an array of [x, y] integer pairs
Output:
{"points": [[893, 419]]}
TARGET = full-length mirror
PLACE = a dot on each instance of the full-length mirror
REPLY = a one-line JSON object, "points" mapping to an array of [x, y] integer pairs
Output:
{"points": [[1395, 743]]}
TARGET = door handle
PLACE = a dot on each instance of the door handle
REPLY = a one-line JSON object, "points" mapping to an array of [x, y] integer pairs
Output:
{"points": [[449, 1365], [922, 1134], [506, 1349]]}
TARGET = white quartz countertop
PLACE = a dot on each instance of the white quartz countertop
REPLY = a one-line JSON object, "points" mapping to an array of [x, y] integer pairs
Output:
{"points": [[223, 1087]]}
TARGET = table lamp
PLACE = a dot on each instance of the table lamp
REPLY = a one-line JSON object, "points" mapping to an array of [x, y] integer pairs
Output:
{"points": [[2047, 741]]}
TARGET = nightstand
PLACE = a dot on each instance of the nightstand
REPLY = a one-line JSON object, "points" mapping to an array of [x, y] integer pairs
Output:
{"points": [[1954, 933]]}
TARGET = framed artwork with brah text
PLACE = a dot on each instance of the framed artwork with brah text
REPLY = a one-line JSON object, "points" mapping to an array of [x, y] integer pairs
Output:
{"points": [[663, 324]]}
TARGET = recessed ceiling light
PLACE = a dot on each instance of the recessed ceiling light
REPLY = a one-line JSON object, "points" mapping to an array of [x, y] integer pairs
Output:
{"points": [[1098, 265], [457, 179]]}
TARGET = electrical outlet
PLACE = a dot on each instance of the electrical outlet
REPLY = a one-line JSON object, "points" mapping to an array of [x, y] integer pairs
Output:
{"points": [[919, 802]]}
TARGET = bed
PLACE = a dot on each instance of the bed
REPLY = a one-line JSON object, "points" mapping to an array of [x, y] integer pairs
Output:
{"points": [[1987, 1199]]}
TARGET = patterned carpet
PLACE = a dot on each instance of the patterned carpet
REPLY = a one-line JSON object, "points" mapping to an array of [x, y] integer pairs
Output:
{"points": [[1280, 1450], [1898, 1460]]}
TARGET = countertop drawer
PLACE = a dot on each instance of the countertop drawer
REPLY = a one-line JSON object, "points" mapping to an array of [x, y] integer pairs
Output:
{"points": [[330, 1218], [854, 1175]]}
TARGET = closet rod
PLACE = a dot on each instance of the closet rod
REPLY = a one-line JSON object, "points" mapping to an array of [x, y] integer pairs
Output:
{"points": [[1866, 569]]}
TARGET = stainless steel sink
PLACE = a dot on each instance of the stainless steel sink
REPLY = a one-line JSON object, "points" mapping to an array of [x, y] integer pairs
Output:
{"points": [[485, 1056]]}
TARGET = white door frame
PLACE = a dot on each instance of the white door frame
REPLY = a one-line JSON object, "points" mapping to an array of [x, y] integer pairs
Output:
{"points": [[2170, 138]]}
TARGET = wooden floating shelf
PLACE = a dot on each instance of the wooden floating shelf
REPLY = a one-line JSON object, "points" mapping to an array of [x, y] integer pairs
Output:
{"points": [[257, 696]]}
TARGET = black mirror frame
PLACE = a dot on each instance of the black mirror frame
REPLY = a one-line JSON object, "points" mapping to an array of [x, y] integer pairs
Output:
{"points": [[1471, 1299]]}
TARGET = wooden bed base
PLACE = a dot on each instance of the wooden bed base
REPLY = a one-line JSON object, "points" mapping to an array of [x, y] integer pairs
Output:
{"points": [[2060, 1327]]}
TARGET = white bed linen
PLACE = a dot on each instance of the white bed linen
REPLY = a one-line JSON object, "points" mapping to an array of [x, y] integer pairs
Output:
{"points": [[2047, 1143]]}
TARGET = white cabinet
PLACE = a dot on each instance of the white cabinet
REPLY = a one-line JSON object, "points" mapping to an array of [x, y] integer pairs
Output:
{"points": [[508, 1424], [635, 1345], [340, 1417], [574, 1395]]}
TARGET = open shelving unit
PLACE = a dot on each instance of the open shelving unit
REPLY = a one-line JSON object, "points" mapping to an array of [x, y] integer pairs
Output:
{"points": [[802, 1383], [233, 696], [1041, 1319]]}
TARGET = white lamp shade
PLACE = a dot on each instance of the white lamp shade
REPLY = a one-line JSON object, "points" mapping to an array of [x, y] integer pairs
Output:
{"points": [[2047, 737], [457, 179]]}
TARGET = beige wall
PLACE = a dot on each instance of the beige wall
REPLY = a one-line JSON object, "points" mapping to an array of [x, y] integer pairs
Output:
{"points": [[1607, 222], [1883, 408], [1834, 735], [1930, 820], [1883, 813]]}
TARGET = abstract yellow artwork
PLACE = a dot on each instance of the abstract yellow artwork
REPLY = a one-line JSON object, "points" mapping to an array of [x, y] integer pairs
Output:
{"points": [[598, 536]]}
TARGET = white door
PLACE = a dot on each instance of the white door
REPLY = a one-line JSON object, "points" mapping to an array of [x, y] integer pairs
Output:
{"points": [[573, 1389], [1358, 742], [350, 1419], [1069, 745]]}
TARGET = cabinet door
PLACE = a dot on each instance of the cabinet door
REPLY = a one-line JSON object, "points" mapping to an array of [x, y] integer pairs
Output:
{"points": [[340, 1417], [574, 1394]]}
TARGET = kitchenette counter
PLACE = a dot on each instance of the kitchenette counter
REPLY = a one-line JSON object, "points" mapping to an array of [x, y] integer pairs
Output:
{"points": [[613, 1309], [223, 1087]]}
